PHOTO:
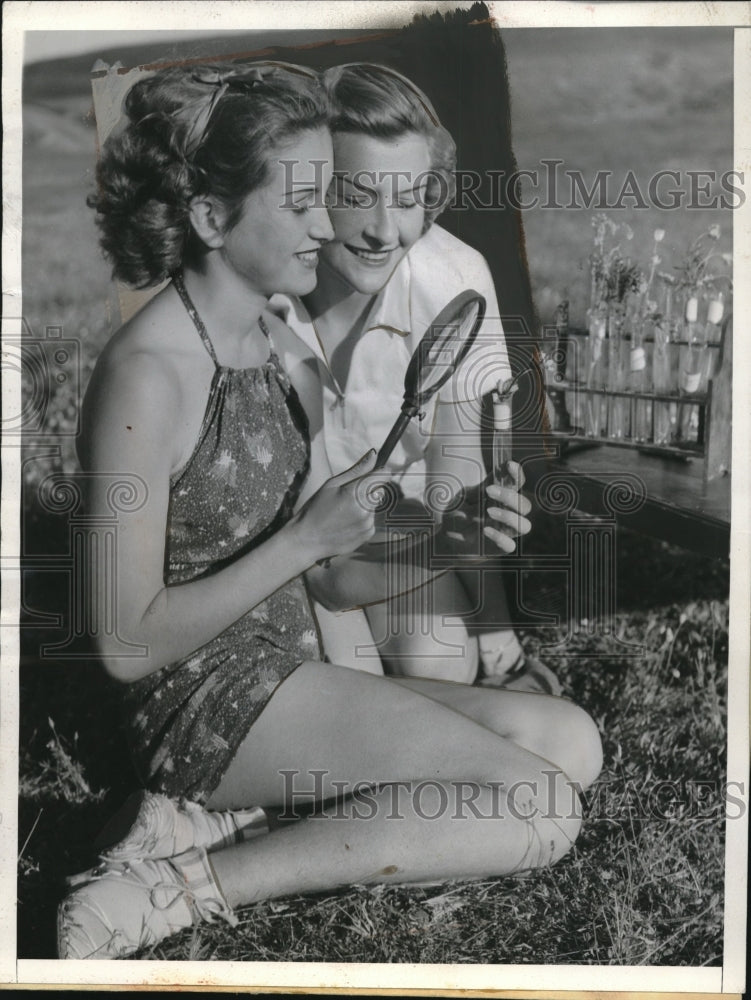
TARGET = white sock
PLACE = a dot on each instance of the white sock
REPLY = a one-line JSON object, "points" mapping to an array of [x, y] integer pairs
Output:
{"points": [[499, 651], [213, 830]]}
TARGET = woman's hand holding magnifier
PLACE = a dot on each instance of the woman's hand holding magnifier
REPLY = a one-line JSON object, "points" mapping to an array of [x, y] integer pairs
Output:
{"points": [[340, 516]]}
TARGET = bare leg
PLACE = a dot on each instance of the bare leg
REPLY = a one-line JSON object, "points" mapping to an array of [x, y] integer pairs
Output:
{"points": [[486, 600], [552, 728], [444, 631], [421, 633], [488, 621], [346, 639], [474, 804], [502, 661]]}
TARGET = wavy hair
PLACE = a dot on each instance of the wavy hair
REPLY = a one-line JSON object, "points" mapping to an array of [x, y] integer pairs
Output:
{"points": [[192, 132]]}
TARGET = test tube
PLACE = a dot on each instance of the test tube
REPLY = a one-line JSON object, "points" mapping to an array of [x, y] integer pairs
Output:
{"points": [[502, 395]]}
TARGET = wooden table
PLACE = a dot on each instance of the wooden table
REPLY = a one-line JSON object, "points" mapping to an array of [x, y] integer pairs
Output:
{"points": [[678, 506]]}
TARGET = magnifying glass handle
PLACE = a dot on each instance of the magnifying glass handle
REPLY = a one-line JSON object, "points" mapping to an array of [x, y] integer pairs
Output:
{"points": [[395, 434]]}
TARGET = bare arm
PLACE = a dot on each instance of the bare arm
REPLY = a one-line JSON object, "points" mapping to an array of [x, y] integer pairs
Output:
{"points": [[371, 576], [131, 409]]}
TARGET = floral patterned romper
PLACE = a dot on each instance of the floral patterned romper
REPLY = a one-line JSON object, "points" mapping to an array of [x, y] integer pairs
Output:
{"points": [[186, 721]]}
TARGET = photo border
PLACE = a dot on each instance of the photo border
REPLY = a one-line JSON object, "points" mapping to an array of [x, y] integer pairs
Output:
{"points": [[502, 979]]}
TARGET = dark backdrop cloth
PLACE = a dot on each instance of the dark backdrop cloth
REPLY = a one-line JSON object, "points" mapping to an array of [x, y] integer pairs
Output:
{"points": [[458, 59]]}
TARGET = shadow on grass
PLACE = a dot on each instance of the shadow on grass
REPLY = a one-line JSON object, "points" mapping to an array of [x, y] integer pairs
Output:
{"points": [[74, 766]]}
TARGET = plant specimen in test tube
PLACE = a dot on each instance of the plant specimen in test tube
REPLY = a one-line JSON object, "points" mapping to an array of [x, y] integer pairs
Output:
{"points": [[664, 361], [700, 274], [502, 395], [639, 370], [616, 280]]}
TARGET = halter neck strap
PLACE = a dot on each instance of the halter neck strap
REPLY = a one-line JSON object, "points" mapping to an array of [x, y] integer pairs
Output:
{"points": [[182, 291]]}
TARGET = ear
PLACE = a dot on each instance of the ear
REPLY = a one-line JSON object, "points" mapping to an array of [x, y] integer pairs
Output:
{"points": [[206, 217]]}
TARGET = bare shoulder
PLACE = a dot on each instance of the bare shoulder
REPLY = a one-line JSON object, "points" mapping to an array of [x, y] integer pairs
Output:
{"points": [[135, 390], [136, 364]]}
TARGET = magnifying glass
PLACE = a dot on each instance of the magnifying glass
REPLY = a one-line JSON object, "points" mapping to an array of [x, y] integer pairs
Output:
{"points": [[443, 347]]}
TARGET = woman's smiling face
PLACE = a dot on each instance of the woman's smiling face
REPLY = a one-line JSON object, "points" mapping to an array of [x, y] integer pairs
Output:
{"points": [[276, 242], [376, 206]]}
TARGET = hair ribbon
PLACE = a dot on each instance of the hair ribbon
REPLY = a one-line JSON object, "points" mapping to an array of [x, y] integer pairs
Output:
{"points": [[219, 82]]}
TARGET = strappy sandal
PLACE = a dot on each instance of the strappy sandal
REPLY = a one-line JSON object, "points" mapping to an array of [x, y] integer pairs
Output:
{"points": [[527, 674], [150, 826], [126, 907]]}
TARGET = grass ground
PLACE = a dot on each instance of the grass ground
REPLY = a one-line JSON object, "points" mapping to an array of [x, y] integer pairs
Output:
{"points": [[644, 884]]}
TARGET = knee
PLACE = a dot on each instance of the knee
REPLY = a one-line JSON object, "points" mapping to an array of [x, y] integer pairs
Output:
{"points": [[582, 758]]}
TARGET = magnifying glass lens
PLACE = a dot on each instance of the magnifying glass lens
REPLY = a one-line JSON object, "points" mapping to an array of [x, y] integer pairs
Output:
{"points": [[440, 352], [441, 358]]}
